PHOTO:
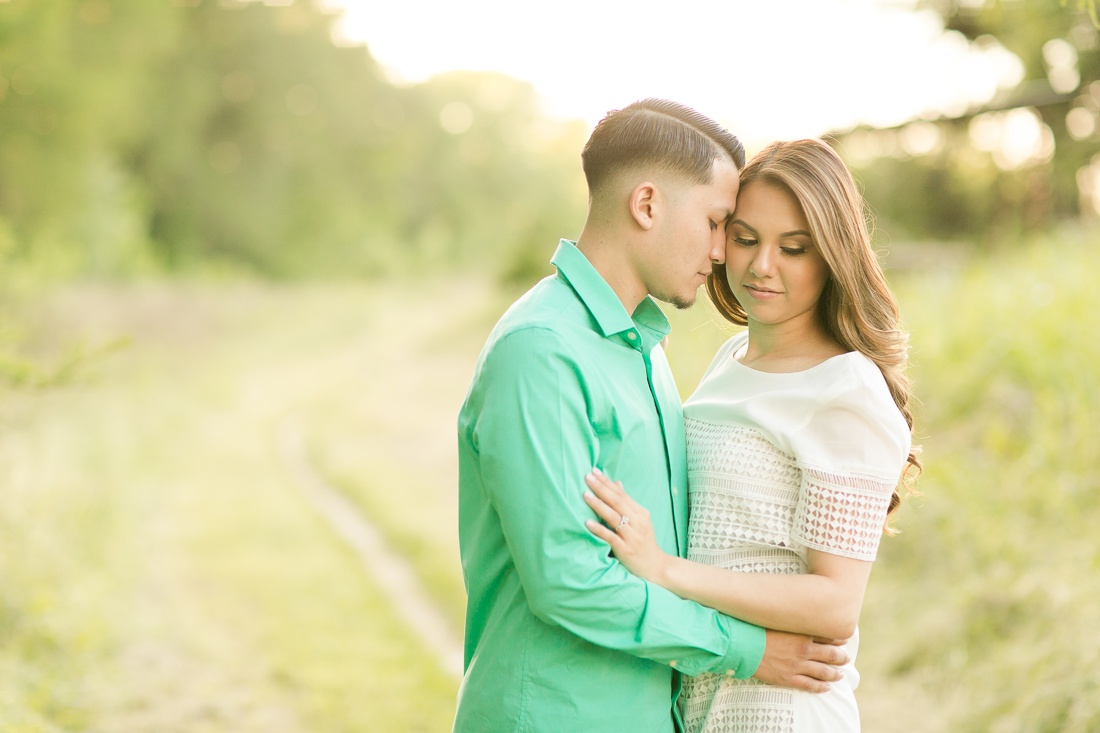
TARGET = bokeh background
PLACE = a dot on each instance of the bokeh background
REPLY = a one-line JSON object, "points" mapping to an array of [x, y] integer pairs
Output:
{"points": [[250, 249]]}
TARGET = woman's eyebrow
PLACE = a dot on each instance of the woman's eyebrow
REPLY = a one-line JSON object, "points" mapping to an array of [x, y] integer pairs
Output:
{"points": [[784, 235]]}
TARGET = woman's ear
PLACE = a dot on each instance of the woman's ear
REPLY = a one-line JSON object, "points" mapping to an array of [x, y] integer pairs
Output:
{"points": [[642, 203]]}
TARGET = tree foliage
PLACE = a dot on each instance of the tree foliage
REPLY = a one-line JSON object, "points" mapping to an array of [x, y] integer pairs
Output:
{"points": [[138, 136], [966, 186]]}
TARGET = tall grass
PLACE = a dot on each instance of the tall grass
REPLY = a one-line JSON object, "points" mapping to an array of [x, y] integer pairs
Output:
{"points": [[988, 599]]}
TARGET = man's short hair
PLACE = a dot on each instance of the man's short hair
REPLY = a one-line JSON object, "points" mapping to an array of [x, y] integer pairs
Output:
{"points": [[656, 132]]}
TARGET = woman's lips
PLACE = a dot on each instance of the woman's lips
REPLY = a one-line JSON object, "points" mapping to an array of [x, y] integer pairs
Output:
{"points": [[761, 293]]}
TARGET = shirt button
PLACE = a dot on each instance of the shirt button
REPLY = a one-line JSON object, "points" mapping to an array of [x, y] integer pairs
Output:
{"points": [[673, 663], [729, 673], [675, 491], [632, 336]]}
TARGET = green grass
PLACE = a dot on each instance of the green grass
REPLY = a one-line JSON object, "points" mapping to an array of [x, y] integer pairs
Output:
{"points": [[162, 571], [987, 600]]}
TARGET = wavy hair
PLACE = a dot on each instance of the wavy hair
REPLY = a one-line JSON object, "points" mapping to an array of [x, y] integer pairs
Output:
{"points": [[856, 307]]}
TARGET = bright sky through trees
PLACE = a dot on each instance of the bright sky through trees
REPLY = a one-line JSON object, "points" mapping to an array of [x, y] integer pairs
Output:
{"points": [[767, 69]]}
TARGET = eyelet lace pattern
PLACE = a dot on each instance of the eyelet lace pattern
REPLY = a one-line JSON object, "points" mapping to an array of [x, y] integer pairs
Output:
{"points": [[755, 509]]}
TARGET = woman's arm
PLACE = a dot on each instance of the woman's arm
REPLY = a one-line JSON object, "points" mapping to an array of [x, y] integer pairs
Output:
{"points": [[824, 602]]}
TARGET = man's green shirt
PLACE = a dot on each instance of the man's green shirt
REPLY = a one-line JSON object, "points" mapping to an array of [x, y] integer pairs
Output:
{"points": [[559, 636]]}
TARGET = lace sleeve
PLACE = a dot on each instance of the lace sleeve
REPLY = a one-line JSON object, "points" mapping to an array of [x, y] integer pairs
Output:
{"points": [[851, 453], [841, 515]]}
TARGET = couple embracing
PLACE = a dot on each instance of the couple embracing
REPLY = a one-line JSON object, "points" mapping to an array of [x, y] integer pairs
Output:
{"points": [[634, 564]]}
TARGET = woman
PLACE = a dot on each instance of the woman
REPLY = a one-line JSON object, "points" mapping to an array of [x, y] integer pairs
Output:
{"points": [[798, 437]]}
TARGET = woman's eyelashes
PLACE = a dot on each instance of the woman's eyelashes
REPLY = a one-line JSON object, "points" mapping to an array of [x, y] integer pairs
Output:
{"points": [[746, 241]]}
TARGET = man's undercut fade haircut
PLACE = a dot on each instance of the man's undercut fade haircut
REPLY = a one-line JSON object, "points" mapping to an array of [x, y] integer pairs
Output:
{"points": [[658, 133]]}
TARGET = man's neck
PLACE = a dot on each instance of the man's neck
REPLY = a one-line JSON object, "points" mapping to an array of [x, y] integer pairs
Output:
{"points": [[608, 256]]}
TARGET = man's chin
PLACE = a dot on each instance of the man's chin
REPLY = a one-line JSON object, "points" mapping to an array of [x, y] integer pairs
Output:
{"points": [[679, 301]]}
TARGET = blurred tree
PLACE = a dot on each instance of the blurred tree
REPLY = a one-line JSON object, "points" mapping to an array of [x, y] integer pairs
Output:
{"points": [[203, 134], [1023, 161], [1059, 46], [71, 78], [260, 150], [494, 185]]}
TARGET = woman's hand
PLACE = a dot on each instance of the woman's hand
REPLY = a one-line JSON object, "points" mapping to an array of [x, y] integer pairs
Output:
{"points": [[628, 531]]}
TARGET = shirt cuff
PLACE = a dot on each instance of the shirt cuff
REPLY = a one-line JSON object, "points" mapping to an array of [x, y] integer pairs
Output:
{"points": [[742, 655]]}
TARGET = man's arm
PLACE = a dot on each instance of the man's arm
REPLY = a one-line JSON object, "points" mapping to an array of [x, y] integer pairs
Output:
{"points": [[535, 440]]}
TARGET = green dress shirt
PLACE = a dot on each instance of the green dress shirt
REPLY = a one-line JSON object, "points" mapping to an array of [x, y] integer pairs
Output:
{"points": [[559, 636]]}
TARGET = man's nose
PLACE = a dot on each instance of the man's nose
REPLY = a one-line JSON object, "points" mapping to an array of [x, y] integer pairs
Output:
{"points": [[718, 248]]}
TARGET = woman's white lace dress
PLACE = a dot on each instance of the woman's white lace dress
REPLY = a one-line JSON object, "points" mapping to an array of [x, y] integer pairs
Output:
{"points": [[777, 464]]}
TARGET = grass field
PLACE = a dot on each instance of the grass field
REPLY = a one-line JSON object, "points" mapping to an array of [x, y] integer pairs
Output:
{"points": [[161, 571]]}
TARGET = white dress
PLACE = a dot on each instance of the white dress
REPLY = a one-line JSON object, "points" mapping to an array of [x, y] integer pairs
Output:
{"points": [[777, 464]]}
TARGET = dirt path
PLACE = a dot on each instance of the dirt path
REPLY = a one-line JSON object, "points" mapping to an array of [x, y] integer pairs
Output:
{"points": [[392, 572], [220, 599]]}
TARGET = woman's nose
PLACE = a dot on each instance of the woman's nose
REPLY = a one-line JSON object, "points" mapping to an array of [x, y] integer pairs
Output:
{"points": [[762, 262]]}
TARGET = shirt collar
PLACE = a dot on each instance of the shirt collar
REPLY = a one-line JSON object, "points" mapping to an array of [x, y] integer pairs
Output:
{"points": [[606, 308]]}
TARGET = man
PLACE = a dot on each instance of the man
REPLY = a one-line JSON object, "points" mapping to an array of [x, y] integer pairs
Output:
{"points": [[559, 637]]}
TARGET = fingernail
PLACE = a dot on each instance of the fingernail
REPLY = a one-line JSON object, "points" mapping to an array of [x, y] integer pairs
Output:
{"points": [[597, 471], [589, 495]]}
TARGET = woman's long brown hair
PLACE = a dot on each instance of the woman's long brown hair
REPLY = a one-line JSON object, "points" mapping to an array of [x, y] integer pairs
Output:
{"points": [[856, 307]]}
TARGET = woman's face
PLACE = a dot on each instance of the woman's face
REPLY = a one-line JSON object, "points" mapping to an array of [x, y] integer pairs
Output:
{"points": [[773, 265]]}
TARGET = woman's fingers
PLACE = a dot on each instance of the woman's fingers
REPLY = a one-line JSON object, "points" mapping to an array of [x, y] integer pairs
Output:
{"points": [[614, 506], [610, 491], [603, 532], [602, 485], [603, 510], [598, 486]]}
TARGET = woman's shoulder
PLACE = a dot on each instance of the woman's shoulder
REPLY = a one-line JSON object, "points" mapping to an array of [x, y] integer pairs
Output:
{"points": [[856, 426], [858, 378]]}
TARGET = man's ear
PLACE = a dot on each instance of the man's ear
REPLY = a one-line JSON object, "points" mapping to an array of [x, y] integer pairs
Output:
{"points": [[642, 203]]}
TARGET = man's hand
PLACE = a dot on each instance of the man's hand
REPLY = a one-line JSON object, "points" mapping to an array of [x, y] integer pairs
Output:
{"points": [[794, 660]]}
